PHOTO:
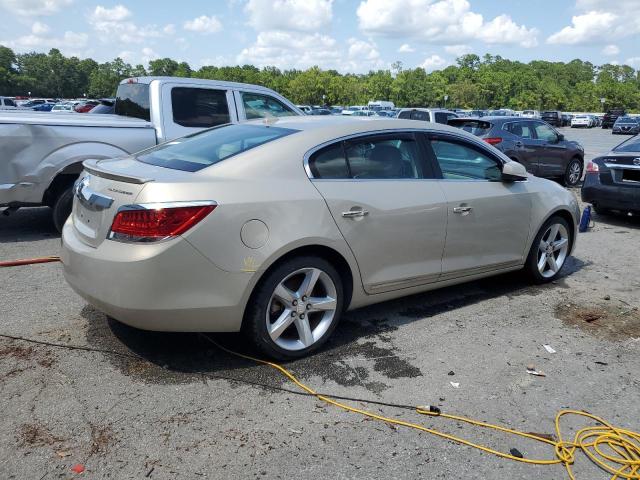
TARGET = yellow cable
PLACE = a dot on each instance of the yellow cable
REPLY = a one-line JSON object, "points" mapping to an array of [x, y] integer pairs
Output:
{"points": [[622, 461]]}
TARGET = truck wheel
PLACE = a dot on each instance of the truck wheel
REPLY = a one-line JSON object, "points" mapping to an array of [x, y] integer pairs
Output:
{"points": [[62, 207]]}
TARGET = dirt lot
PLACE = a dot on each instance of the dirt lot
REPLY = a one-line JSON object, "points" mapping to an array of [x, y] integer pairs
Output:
{"points": [[187, 410]]}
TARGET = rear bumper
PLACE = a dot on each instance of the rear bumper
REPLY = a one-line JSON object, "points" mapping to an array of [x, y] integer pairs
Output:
{"points": [[168, 286], [615, 197]]}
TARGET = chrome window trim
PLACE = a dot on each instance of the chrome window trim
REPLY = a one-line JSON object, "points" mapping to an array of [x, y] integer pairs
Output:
{"points": [[620, 166], [154, 206], [320, 146]]}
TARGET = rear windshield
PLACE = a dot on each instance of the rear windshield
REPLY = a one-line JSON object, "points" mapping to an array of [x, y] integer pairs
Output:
{"points": [[627, 120], [132, 100], [202, 149], [476, 127], [631, 145]]}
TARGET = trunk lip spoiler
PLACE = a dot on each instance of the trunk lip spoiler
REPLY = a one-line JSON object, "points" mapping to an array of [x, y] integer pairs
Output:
{"points": [[92, 167]]}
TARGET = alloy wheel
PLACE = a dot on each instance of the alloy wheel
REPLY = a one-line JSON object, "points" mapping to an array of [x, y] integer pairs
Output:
{"points": [[552, 250], [301, 309], [573, 175]]}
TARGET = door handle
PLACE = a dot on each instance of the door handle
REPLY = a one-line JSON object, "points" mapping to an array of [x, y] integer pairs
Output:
{"points": [[355, 213], [518, 144], [462, 210]]}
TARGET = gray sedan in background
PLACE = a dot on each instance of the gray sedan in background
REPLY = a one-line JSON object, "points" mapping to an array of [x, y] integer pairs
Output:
{"points": [[274, 228], [534, 143]]}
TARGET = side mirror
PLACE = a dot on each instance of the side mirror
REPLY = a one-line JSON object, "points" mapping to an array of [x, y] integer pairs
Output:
{"points": [[560, 137], [513, 171]]}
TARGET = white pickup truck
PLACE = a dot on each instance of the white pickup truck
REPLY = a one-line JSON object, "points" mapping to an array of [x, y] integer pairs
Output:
{"points": [[42, 153]]}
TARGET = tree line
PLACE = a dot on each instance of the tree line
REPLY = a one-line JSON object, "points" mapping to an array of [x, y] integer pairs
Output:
{"points": [[473, 82]]}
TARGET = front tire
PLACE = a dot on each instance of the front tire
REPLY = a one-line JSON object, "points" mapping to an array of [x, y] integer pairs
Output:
{"points": [[295, 308], [61, 208], [550, 250], [573, 173]]}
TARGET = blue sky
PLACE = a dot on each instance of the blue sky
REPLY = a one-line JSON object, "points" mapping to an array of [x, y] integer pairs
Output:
{"points": [[348, 35]]}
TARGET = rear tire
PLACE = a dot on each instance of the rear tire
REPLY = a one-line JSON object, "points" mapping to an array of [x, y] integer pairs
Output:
{"points": [[61, 208], [602, 211], [286, 318], [573, 173], [549, 250]]}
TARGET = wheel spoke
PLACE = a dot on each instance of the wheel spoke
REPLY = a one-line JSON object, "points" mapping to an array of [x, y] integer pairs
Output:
{"points": [[542, 259], [304, 330], [319, 304], [284, 294], [559, 244], [553, 265], [309, 282], [281, 324], [553, 233]]}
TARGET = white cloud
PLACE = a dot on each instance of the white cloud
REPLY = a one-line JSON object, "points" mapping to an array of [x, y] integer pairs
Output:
{"points": [[633, 62], [203, 24], [406, 48], [69, 40], [113, 26], [434, 62], [148, 54], [611, 50], [169, 29], [458, 50], [600, 21], [298, 15], [39, 28], [34, 7], [115, 14], [440, 21]]}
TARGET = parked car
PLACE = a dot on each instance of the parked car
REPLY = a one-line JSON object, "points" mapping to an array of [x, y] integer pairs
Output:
{"points": [[354, 108], [436, 115], [612, 181], [7, 103], [320, 111], [106, 106], [305, 108], [502, 112], [46, 151], [566, 120], [552, 117], [85, 107], [534, 143], [531, 114], [43, 107], [582, 121], [61, 108], [611, 116], [220, 210], [478, 113], [626, 126], [363, 113]]}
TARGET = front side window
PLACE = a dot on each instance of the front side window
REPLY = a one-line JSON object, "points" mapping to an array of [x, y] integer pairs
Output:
{"points": [[259, 106], [200, 150], [406, 114], [9, 103], [441, 117], [545, 132], [199, 107], [420, 115], [460, 161], [384, 157]]}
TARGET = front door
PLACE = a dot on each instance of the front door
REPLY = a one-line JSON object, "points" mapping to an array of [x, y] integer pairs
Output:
{"points": [[488, 219], [552, 151], [388, 208]]}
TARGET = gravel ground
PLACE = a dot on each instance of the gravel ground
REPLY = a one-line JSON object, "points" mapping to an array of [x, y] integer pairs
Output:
{"points": [[185, 409]]}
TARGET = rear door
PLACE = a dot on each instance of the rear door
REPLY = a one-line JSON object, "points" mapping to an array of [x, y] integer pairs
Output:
{"points": [[552, 153], [381, 194], [488, 220], [190, 108]]}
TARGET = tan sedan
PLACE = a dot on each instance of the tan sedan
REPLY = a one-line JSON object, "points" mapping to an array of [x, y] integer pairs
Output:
{"points": [[276, 228]]}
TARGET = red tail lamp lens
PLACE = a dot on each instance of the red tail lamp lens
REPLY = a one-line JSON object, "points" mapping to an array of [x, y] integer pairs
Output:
{"points": [[160, 222], [592, 167], [493, 140]]}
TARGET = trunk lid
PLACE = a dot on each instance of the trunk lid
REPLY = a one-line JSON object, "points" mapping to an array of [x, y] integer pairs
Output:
{"points": [[104, 187], [620, 169]]}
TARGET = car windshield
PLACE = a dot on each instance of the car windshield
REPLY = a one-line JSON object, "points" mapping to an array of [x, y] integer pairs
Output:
{"points": [[631, 145], [200, 150]]}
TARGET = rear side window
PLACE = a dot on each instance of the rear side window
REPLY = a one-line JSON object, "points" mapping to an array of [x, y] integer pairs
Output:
{"points": [[132, 100], [199, 107], [475, 127], [259, 106], [200, 150], [384, 158], [329, 163], [519, 129], [406, 115], [441, 117], [460, 161], [9, 103]]}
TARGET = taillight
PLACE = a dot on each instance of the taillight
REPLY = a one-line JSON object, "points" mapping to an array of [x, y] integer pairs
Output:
{"points": [[158, 221], [493, 140], [592, 167]]}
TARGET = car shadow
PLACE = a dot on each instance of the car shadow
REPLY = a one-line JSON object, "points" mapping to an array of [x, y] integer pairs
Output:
{"points": [[616, 220], [27, 225], [364, 335]]}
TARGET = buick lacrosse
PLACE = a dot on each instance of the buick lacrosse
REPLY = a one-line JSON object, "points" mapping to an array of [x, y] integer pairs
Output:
{"points": [[275, 228]]}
